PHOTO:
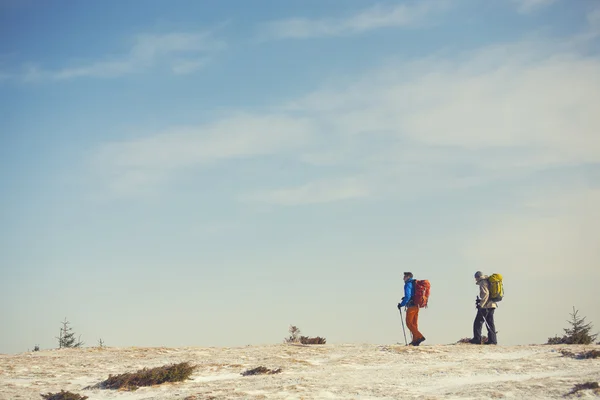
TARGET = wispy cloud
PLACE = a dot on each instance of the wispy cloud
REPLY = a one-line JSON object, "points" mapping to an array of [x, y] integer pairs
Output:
{"points": [[529, 6], [317, 192], [500, 113], [377, 17], [540, 100], [445, 122], [136, 164], [102, 69], [181, 53], [187, 66]]}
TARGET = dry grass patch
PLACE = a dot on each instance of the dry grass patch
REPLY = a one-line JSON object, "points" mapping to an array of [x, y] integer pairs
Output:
{"points": [[585, 386], [468, 340], [63, 396], [582, 355], [148, 377], [261, 371]]}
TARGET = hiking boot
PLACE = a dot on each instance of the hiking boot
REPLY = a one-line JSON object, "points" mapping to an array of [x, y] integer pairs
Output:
{"points": [[473, 341], [490, 343], [419, 341]]}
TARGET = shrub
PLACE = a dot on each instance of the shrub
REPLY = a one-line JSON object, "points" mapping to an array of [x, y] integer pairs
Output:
{"points": [[557, 340], [579, 333], [294, 335], [261, 371], [148, 377], [296, 338], [63, 396], [312, 340]]}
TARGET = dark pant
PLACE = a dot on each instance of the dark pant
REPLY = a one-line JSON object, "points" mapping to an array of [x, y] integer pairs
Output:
{"points": [[485, 315]]}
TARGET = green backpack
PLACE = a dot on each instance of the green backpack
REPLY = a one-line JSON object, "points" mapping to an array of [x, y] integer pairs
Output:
{"points": [[496, 287]]}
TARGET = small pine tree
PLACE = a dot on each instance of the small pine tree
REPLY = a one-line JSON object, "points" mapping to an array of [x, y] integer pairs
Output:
{"points": [[579, 333], [66, 338]]}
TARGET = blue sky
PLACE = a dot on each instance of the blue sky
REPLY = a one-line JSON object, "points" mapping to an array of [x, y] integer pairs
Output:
{"points": [[208, 173]]}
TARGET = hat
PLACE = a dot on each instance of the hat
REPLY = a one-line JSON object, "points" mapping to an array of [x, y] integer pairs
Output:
{"points": [[478, 274]]}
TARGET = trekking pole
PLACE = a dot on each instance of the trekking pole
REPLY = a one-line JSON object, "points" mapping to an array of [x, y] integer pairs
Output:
{"points": [[402, 320], [487, 325]]}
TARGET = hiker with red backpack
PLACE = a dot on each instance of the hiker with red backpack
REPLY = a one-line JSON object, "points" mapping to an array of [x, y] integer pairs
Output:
{"points": [[490, 292], [416, 294]]}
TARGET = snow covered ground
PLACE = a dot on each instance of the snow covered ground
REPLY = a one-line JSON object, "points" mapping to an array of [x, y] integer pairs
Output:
{"points": [[333, 371]]}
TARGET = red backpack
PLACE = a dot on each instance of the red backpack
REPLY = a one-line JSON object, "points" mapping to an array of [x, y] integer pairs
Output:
{"points": [[421, 295]]}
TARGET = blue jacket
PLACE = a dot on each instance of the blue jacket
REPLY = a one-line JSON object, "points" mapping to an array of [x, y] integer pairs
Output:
{"points": [[409, 292]]}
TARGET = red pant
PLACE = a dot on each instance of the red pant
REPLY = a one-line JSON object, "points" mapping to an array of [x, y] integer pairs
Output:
{"points": [[412, 322]]}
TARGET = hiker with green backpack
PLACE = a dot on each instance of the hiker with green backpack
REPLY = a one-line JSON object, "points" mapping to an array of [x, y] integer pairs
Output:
{"points": [[490, 292]]}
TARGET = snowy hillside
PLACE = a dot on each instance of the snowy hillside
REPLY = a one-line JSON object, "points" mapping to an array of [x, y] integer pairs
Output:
{"points": [[333, 371]]}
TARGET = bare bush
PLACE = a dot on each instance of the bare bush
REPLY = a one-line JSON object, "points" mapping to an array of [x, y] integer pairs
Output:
{"points": [[312, 340], [294, 334]]}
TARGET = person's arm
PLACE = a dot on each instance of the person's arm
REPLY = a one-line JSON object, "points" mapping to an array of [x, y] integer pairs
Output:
{"points": [[407, 293], [484, 294]]}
